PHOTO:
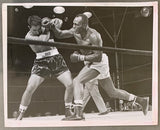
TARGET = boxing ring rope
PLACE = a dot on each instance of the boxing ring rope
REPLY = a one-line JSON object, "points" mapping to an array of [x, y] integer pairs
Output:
{"points": [[21, 41], [137, 67], [136, 81]]}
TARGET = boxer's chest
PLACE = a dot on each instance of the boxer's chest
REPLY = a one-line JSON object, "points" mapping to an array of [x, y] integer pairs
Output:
{"points": [[82, 41]]}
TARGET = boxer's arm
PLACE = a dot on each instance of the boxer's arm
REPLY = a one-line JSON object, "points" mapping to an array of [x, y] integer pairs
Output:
{"points": [[95, 57], [42, 37], [96, 40], [62, 33]]}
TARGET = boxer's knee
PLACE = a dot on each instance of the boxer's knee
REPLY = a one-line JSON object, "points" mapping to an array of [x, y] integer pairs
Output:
{"points": [[69, 84]]}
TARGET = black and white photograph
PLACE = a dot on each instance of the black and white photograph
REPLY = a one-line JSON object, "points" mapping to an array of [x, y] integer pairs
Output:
{"points": [[80, 64]]}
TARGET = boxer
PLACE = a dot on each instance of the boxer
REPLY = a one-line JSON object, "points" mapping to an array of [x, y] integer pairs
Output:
{"points": [[49, 62], [96, 65]]}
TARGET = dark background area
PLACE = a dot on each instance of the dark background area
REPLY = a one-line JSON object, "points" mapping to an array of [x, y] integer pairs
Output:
{"points": [[136, 33]]}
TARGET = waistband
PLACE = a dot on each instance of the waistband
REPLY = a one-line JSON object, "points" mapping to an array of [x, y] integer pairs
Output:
{"points": [[47, 53], [104, 60]]}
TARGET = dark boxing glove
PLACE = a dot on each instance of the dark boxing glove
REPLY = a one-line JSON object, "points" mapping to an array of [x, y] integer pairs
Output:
{"points": [[77, 57], [46, 22]]}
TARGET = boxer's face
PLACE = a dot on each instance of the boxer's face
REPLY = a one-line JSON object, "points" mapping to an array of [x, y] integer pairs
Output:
{"points": [[35, 29], [77, 24]]}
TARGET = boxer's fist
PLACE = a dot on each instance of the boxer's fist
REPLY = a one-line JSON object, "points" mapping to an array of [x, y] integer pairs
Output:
{"points": [[76, 57], [56, 22], [46, 22]]}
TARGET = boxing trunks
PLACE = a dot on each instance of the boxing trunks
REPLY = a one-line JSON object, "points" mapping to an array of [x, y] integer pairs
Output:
{"points": [[102, 67], [49, 63]]}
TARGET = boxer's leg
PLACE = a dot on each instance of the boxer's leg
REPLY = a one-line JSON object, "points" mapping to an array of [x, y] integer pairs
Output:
{"points": [[66, 79], [113, 92], [85, 75], [33, 83]]}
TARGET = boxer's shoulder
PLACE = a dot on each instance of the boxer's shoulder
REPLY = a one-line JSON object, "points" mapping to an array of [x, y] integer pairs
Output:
{"points": [[92, 30], [94, 33], [28, 34], [94, 36]]}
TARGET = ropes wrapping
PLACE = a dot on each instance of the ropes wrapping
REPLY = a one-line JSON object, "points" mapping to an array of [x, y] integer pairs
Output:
{"points": [[21, 41]]}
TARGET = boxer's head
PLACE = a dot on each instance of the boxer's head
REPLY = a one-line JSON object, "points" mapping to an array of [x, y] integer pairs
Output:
{"points": [[80, 23], [34, 23]]}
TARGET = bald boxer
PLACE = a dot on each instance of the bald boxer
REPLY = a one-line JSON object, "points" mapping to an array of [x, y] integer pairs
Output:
{"points": [[49, 62], [96, 65]]}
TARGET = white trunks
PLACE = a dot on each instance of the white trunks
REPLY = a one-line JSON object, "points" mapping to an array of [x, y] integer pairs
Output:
{"points": [[102, 67], [47, 53]]}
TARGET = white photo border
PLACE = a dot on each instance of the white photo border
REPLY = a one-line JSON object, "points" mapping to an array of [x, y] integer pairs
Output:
{"points": [[50, 123]]}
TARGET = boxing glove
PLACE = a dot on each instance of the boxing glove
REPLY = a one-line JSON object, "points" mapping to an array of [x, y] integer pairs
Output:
{"points": [[46, 22], [56, 22], [76, 57]]}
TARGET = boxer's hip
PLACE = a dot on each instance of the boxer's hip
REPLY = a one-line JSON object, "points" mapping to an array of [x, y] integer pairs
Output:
{"points": [[49, 66], [102, 67]]}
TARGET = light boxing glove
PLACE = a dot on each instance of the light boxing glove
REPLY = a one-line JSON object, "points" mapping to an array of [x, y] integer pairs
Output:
{"points": [[77, 57], [56, 22]]}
